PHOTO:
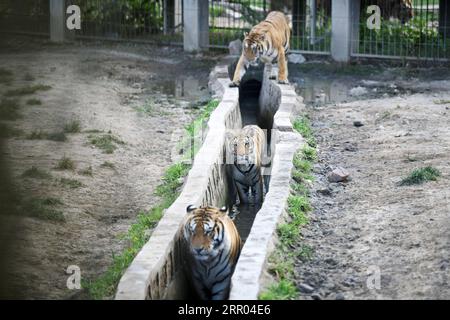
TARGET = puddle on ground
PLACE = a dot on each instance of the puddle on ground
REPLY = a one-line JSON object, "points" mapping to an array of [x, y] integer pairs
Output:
{"points": [[320, 91], [186, 88]]}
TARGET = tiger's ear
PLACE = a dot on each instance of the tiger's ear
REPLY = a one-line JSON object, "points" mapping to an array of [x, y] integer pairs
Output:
{"points": [[190, 208], [245, 34]]}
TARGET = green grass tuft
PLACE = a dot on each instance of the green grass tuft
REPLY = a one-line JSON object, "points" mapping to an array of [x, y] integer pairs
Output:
{"points": [[441, 101], [59, 136], [37, 135], [106, 142], [70, 183], [171, 180], [108, 165], [65, 163], [86, 171], [27, 90], [34, 102], [303, 126], [44, 209], [283, 290], [419, 176], [9, 109], [73, 126], [36, 173]]}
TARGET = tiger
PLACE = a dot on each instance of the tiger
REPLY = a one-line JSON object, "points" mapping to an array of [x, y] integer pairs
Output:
{"points": [[247, 150], [267, 41], [213, 248]]}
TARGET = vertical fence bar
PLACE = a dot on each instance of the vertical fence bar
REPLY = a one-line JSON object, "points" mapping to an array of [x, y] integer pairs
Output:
{"points": [[312, 12]]}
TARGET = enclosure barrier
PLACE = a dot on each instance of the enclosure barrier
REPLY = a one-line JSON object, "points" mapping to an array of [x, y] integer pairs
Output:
{"points": [[407, 29], [157, 270]]}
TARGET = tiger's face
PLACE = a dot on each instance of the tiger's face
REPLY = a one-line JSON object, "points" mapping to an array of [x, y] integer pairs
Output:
{"points": [[203, 231], [243, 152], [252, 48]]}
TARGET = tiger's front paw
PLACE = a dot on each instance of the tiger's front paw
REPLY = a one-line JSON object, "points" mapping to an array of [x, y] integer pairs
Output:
{"points": [[234, 84], [283, 81]]}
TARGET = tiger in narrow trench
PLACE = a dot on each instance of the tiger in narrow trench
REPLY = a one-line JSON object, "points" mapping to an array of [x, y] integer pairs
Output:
{"points": [[247, 148], [213, 246]]}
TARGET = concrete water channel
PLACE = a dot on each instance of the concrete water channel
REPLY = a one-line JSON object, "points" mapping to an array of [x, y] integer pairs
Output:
{"points": [[157, 270]]}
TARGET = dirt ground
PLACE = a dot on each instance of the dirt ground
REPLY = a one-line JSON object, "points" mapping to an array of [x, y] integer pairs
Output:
{"points": [[371, 228], [139, 94]]}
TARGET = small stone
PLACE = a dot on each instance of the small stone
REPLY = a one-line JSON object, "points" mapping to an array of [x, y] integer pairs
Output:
{"points": [[338, 175], [305, 288], [296, 58], [235, 47], [358, 91], [316, 296], [325, 192], [358, 123], [340, 296]]}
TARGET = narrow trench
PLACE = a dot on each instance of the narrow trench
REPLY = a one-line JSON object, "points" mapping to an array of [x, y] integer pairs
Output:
{"points": [[249, 93], [250, 108]]}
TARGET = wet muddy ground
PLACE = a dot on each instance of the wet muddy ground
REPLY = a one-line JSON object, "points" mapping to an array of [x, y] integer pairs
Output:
{"points": [[369, 237]]}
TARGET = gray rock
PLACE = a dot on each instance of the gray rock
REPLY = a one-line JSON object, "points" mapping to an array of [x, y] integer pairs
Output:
{"points": [[296, 58], [235, 47], [325, 192], [305, 288], [340, 296], [358, 91], [316, 296], [338, 175]]}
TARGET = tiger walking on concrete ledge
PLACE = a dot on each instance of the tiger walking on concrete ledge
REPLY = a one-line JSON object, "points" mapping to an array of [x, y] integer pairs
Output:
{"points": [[267, 41]]}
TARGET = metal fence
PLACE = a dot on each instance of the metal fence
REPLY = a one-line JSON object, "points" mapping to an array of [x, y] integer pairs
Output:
{"points": [[311, 26], [229, 19], [409, 29], [26, 16], [137, 20]]}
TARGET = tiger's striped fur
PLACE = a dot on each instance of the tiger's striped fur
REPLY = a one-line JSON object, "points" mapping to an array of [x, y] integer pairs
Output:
{"points": [[213, 247], [267, 41], [247, 147]]}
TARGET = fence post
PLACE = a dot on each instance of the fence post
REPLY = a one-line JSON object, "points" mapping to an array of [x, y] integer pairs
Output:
{"points": [[57, 20], [196, 25], [343, 15]]}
